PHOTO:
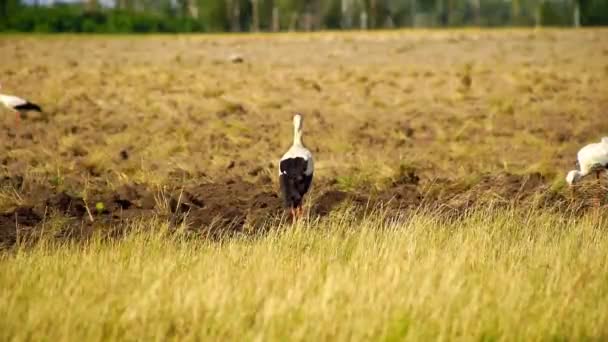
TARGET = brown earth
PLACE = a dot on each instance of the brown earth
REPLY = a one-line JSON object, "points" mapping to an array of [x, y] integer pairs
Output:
{"points": [[236, 206]]}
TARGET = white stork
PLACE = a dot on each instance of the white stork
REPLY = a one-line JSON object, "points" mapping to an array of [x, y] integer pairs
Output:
{"points": [[18, 105], [295, 171], [592, 158]]}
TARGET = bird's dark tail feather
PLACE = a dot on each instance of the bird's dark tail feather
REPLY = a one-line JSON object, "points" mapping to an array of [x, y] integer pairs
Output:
{"points": [[291, 196], [29, 106]]}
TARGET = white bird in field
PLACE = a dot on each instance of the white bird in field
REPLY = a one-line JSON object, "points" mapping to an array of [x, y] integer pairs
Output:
{"points": [[592, 158], [18, 105], [295, 171]]}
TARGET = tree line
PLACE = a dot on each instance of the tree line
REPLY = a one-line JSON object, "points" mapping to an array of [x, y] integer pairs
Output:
{"points": [[124, 16]]}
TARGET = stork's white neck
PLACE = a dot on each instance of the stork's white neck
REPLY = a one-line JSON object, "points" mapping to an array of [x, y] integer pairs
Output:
{"points": [[297, 131]]}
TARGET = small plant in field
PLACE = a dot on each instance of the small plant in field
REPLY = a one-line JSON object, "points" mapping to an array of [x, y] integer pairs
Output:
{"points": [[56, 180], [100, 207]]}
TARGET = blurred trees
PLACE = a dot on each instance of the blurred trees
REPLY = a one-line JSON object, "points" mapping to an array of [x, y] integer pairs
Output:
{"points": [[300, 15]]}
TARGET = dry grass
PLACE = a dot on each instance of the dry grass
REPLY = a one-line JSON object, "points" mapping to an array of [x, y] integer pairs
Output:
{"points": [[495, 275], [167, 111]]}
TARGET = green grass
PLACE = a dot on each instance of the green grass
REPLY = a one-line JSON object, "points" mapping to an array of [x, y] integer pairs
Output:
{"points": [[509, 274]]}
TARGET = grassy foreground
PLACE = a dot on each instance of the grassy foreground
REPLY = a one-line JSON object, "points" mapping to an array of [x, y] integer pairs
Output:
{"points": [[496, 274]]}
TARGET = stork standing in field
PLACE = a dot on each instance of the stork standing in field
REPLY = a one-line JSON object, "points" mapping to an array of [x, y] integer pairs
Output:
{"points": [[18, 105], [295, 171], [592, 158]]}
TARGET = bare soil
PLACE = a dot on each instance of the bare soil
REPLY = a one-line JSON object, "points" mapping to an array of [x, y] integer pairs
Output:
{"points": [[239, 207]]}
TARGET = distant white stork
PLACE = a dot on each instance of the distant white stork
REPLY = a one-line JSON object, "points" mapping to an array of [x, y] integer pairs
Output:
{"points": [[295, 171], [592, 158], [18, 105]]}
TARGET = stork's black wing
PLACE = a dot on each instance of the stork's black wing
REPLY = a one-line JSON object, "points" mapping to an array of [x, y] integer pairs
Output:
{"points": [[29, 106]]}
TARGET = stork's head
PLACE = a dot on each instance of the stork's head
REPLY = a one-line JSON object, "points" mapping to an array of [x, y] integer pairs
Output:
{"points": [[573, 176]]}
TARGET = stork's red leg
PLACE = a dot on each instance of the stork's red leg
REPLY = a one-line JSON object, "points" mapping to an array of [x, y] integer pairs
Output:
{"points": [[17, 119], [293, 215]]}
